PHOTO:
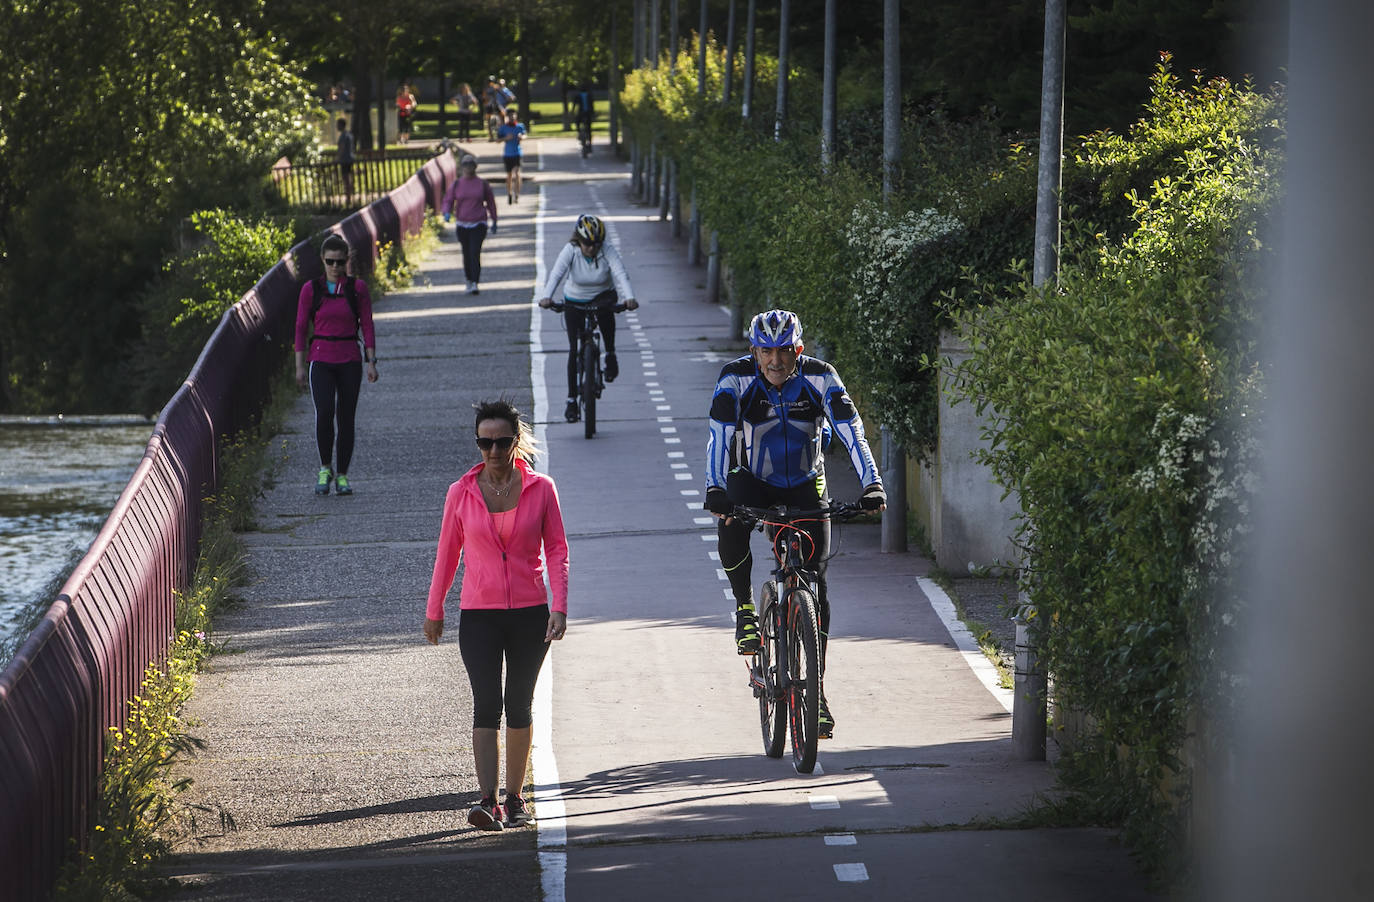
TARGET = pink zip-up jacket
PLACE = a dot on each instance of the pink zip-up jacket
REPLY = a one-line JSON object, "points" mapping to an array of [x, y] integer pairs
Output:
{"points": [[500, 576]]}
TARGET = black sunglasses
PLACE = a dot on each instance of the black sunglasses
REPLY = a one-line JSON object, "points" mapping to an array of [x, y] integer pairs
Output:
{"points": [[503, 443], [330, 261]]}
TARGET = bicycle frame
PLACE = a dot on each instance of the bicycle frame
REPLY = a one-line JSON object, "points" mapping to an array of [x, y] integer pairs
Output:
{"points": [[772, 669], [589, 378]]}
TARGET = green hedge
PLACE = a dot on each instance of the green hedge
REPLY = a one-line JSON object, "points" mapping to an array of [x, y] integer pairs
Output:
{"points": [[1127, 407]]}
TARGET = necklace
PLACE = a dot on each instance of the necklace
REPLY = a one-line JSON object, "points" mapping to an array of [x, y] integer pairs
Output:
{"points": [[501, 491]]}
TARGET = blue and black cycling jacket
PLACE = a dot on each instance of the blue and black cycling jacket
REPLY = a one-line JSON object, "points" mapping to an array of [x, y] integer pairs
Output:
{"points": [[778, 433]]}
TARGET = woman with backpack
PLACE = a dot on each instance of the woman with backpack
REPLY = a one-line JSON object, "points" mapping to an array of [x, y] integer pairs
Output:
{"points": [[329, 314]]}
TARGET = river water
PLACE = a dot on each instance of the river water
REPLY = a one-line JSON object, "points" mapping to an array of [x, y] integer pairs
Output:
{"points": [[59, 480]]}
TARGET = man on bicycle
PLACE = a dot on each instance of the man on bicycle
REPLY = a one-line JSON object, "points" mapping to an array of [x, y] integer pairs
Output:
{"points": [[773, 412], [593, 268]]}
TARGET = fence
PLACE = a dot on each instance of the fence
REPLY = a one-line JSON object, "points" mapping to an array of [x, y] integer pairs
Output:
{"points": [[73, 677], [343, 186]]}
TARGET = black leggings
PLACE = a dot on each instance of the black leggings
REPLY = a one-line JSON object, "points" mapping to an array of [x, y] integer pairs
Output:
{"points": [[471, 238], [733, 540], [574, 316], [334, 388], [484, 637]]}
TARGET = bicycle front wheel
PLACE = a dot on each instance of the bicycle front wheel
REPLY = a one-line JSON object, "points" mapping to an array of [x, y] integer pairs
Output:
{"points": [[589, 388], [804, 678], [772, 704]]}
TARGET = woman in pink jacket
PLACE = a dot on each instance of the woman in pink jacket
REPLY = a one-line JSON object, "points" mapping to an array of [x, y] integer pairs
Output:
{"points": [[498, 518]]}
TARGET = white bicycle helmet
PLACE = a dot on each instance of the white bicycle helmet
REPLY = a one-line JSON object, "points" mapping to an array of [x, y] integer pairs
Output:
{"points": [[775, 329]]}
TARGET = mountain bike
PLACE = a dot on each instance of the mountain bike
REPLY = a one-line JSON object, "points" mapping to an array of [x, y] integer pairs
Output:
{"points": [[589, 376], [785, 674]]}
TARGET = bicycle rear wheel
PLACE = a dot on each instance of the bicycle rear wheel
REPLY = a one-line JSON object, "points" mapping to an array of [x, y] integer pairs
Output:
{"points": [[588, 390], [772, 704], [804, 676]]}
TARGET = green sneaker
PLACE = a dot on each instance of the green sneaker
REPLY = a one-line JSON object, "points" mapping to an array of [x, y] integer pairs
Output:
{"points": [[746, 630], [825, 728], [322, 483], [341, 485]]}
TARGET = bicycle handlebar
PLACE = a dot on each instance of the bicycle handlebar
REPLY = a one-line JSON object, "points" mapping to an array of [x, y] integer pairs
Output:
{"points": [[557, 307], [781, 515]]}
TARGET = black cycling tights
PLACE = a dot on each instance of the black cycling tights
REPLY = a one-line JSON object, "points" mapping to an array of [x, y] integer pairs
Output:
{"points": [[733, 540], [573, 319], [484, 638], [334, 388]]}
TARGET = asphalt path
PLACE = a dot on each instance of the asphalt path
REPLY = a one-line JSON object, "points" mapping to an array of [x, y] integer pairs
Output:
{"points": [[339, 742]]}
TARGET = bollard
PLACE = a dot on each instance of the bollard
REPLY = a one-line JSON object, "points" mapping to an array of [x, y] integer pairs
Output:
{"points": [[1028, 711]]}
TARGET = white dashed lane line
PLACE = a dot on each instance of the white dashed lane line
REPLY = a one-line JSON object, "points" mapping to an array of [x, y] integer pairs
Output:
{"points": [[851, 873]]}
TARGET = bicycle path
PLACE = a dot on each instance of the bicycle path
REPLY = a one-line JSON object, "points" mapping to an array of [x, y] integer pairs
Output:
{"points": [[655, 734], [340, 742]]}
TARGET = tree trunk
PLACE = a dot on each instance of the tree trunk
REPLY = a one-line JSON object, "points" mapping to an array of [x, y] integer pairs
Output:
{"points": [[381, 109], [362, 100]]}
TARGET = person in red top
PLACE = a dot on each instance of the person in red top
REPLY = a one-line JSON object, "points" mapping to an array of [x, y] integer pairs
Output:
{"points": [[335, 306], [405, 112], [471, 200], [499, 518]]}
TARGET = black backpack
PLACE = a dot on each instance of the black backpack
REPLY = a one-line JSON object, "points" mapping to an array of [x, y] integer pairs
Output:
{"points": [[318, 291]]}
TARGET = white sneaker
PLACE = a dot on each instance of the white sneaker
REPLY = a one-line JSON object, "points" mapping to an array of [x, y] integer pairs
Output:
{"points": [[471, 285]]}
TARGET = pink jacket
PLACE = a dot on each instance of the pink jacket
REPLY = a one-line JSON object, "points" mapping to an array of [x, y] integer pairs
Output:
{"points": [[501, 576]]}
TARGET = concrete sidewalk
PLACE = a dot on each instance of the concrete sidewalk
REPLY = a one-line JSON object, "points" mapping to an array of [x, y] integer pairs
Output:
{"points": [[339, 741]]}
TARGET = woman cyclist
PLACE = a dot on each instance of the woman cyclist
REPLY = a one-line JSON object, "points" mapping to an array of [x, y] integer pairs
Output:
{"points": [[595, 276]]}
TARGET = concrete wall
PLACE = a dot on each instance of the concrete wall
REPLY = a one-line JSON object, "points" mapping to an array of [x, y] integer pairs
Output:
{"points": [[954, 497]]}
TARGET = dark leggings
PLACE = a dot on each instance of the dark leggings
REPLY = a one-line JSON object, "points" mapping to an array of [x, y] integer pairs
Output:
{"points": [[471, 238], [484, 637], [733, 540], [574, 316], [334, 388]]}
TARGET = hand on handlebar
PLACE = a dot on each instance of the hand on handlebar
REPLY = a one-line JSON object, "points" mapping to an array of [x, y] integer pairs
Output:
{"points": [[631, 304], [717, 502], [546, 303], [874, 498]]}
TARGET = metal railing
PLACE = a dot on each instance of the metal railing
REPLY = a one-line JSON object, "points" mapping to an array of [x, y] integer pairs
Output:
{"points": [[74, 676], [330, 186]]}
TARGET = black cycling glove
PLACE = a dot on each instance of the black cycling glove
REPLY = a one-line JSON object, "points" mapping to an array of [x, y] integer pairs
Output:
{"points": [[717, 502], [873, 498]]}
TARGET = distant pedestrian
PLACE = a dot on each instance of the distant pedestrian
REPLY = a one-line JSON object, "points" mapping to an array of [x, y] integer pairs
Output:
{"points": [[471, 201], [500, 518], [405, 113], [330, 313], [512, 133], [345, 156], [467, 111]]}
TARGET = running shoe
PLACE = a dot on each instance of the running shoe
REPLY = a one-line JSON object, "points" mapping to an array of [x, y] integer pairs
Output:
{"points": [[746, 630], [570, 412], [341, 486], [517, 815], [825, 722], [322, 481], [487, 815], [612, 366]]}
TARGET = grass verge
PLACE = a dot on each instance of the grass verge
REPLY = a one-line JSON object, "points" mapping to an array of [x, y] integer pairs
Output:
{"points": [[139, 798]]}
